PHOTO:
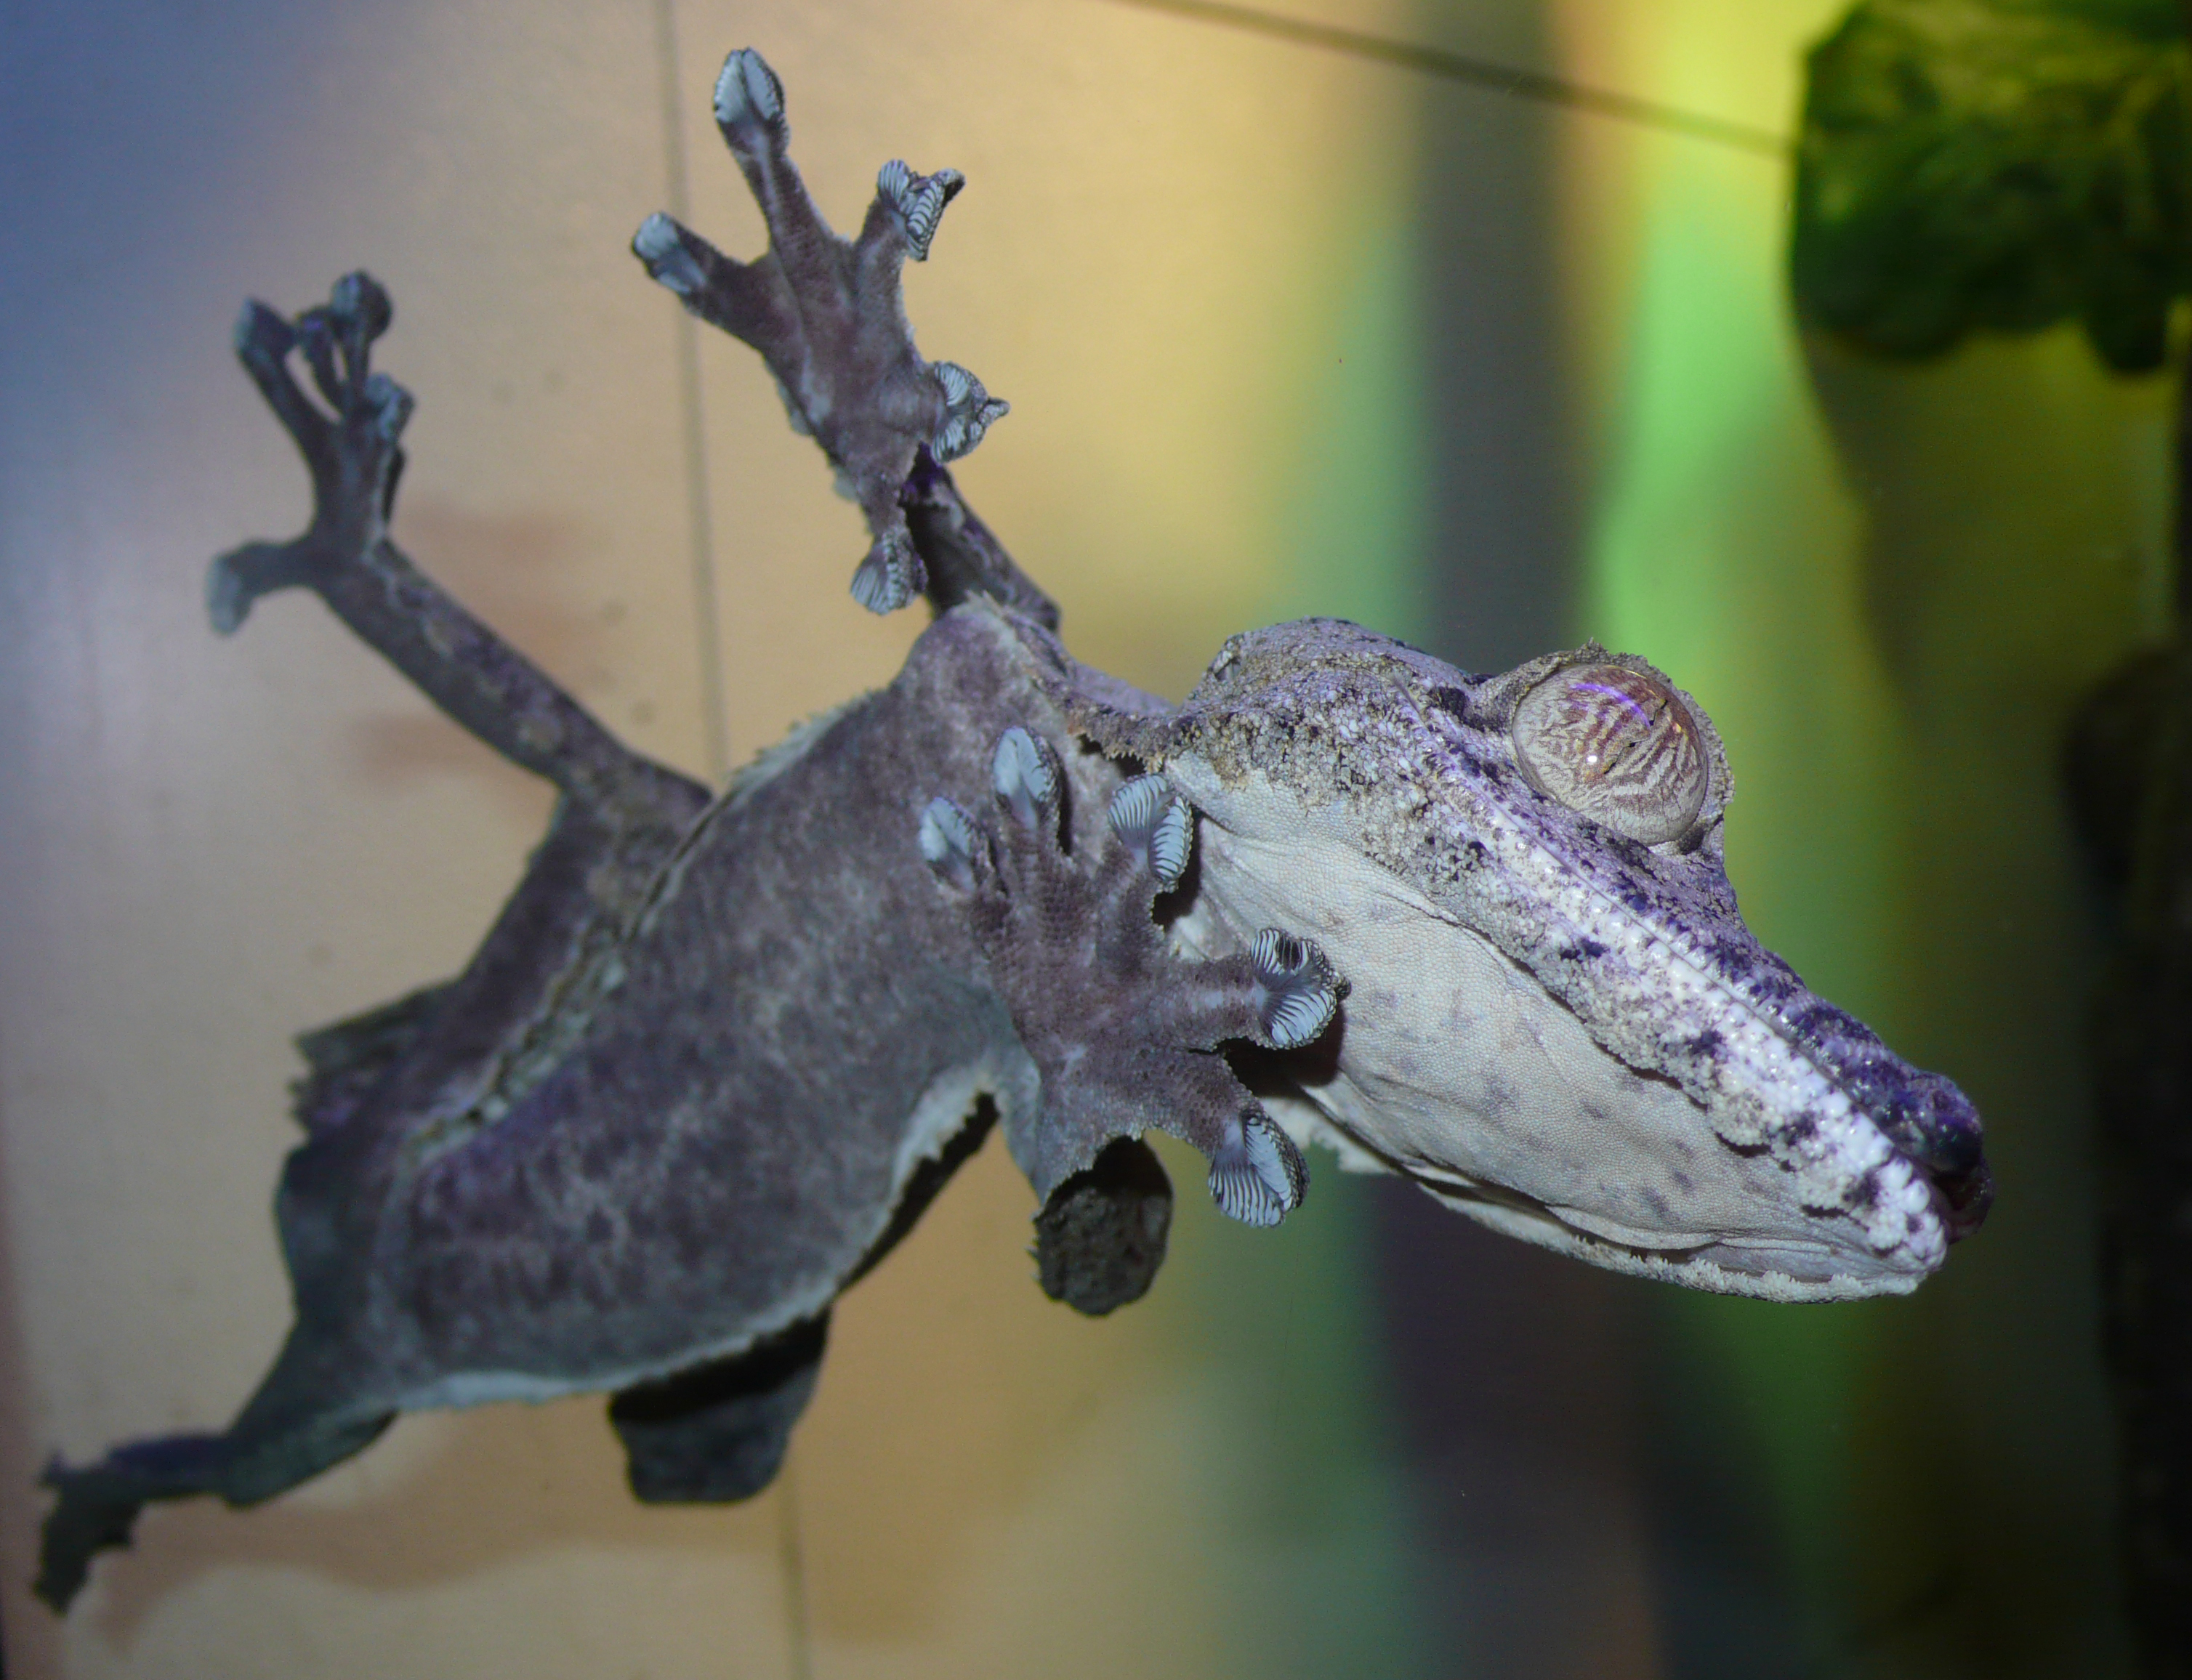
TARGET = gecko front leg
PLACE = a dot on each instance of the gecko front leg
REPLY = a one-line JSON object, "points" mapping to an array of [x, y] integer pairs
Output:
{"points": [[1127, 1035]]}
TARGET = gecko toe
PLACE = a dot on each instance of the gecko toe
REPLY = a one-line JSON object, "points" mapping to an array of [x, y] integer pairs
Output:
{"points": [[889, 575], [388, 405], [917, 202], [361, 304], [1296, 992], [1157, 824], [1025, 776], [951, 844], [659, 245], [1257, 1176], [750, 102], [1101, 1234], [263, 332], [969, 412]]}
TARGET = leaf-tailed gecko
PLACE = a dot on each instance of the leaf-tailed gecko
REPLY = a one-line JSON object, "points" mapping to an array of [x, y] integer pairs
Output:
{"points": [[716, 1054]]}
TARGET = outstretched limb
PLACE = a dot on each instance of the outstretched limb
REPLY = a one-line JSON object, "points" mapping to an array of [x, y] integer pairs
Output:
{"points": [[1126, 1033], [351, 446], [826, 316]]}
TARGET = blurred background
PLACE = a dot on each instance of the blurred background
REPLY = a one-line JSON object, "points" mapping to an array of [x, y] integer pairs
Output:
{"points": [[1287, 328]]}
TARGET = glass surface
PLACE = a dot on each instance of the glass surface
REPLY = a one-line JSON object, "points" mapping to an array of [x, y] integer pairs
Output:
{"points": [[1285, 331]]}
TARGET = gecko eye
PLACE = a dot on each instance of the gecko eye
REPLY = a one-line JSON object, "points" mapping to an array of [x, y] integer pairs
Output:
{"points": [[1616, 746]]}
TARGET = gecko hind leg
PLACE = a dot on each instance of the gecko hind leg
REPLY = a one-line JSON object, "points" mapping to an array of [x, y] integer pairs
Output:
{"points": [[1125, 1032], [350, 442], [717, 1433]]}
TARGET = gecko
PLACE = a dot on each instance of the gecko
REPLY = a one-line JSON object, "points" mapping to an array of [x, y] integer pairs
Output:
{"points": [[718, 1051]]}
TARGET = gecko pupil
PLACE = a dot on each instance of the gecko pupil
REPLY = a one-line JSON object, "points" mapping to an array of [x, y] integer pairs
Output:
{"points": [[1617, 746]]}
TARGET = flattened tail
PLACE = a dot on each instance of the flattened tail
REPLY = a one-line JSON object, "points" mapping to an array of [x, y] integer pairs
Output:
{"points": [[98, 1504]]}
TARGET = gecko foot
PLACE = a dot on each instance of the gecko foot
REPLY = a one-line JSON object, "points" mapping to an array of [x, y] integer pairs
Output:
{"points": [[828, 317], [1125, 1032]]}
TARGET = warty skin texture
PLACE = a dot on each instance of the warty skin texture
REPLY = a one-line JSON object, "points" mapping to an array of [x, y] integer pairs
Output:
{"points": [[716, 1054]]}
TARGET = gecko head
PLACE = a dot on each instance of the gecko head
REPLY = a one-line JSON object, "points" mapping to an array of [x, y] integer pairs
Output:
{"points": [[1558, 1019]]}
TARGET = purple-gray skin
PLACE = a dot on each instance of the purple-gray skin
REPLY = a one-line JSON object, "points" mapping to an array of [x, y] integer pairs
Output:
{"points": [[716, 1055]]}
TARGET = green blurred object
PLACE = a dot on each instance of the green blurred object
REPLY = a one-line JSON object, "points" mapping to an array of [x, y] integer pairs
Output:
{"points": [[2007, 167], [1997, 165]]}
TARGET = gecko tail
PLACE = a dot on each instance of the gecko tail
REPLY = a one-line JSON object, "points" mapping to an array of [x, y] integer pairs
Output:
{"points": [[97, 1505]]}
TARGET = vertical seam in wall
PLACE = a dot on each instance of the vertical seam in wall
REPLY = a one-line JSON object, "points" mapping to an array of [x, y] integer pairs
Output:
{"points": [[791, 1552], [714, 704]]}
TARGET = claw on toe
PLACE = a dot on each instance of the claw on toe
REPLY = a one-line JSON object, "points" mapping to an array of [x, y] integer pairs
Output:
{"points": [[969, 412], [918, 202], [1026, 775], [1148, 816], [747, 91], [890, 574], [949, 843], [1297, 992], [1258, 1177]]}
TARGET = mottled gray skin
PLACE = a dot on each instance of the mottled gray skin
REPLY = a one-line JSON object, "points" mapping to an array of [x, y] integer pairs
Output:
{"points": [[716, 1056]]}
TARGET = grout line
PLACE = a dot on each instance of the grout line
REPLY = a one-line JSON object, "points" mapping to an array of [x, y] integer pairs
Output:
{"points": [[1526, 85], [792, 1550], [715, 704]]}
